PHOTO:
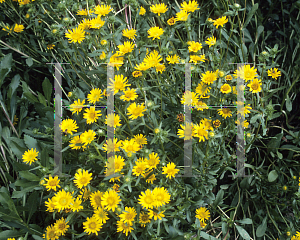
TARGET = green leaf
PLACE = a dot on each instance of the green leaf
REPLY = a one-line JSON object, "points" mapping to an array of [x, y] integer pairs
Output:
{"points": [[29, 61], [6, 61], [207, 236], [288, 104], [274, 143], [250, 15], [32, 204], [9, 234], [243, 232], [272, 176], [29, 176], [30, 142], [27, 93], [260, 29], [219, 198], [245, 221], [47, 89], [6, 200], [3, 73], [42, 99], [261, 230], [14, 84]]}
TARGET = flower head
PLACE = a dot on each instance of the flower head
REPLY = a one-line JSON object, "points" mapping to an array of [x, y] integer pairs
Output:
{"points": [[76, 35], [155, 32], [182, 16], [30, 156], [110, 200], [211, 41], [69, 126], [102, 10], [52, 183], [170, 170], [142, 11], [129, 33], [202, 214], [159, 8], [82, 178], [220, 21], [171, 21], [92, 225], [255, 85], [274, 73], [136, 110], [192, 6], [18, 28], [225, 88]]}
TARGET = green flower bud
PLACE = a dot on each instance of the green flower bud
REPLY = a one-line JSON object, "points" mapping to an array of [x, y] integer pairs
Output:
{"points": [[111, 19], [61, 6]]}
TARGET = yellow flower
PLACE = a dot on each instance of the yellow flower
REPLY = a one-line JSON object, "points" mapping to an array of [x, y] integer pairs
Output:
{"points": [[140, 139], [136, 110], [155, 32], [216, 123], [119, 83], [82, 12], [189, 98], [194, 46], [102, 10], [50, 46], [142, 11], [220, 21], [202, 214], [225, 88], [87, 137], [129, 94], [153, 160], [75, 35], [146, 199], [130, 146], [192, 6], [91, 115], [124, 227], [246, 73], [186, 132], [50, 205], [156, 215], [137, 74], [76, 205], [18, 28], [103, 42], [112, 120], [61, 226], [159, 8], [201, 132], [202, 89], [30, 156], [77, 106], [51, 233], [116, 60], [274, 73], [255, 85], [170, 170], [207, 123], [225, 112], [94, 95], [144, 218], [92, 225], [118, 164], [96, 23], [101, 215], [62, 200], [160, 68], [69, 126], [110, 200], [173, 59], [152, 60], [228, 78], [127, 47], [96, 199], [102, 56], [129, 33], [209, 77], [211, 41], [52, 183], [139, 168], [182, 16], [142, 67], [171, 21], [128, 215], [82, 178], [196, 59]]}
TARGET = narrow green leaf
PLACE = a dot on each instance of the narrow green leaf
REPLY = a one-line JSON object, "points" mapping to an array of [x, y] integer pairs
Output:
{"points": [[250, 15], [219, 198], [261, 230], [32, 204], [47, 89], [288, 104], [42, 99], [243, 232], [29, 176]]}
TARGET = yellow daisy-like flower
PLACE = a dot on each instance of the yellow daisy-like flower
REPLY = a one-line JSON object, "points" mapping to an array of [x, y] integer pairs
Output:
{"points": [[139, 168], [160, 68], [245, 124], [209, 77], [101, 215], [171, 21], [182, 16], [83, 12], [202, 214], [87, 137], [92, 225], [136, 110], [192, 6], [146, 199], [91, 115], [102, 56], [142, 67], [51, 233], [159, 8], [50, 205], [150, 178], [75, 143], [97, 22], [202, 89], [52, 183], [76, 205], [161, 196], [129, 33], [225, 88], [155, 32], [112, 146], [255, 85], [246, 73], [217, 123], [129, 94], [170, 170], [61, 227], [102, 10], [245, 110], [225, 112], [18, 28], [140, 139], [201, 132], [119, 83], [173, 59], [82, 178], [156, 215], [196, 59], [194, 46], [144, 218], [103, 42], [117, 60], [94, 95], [118, 163], [50, 46], [211, 41], [220, 22], [113, 120], [186, 132], [96, 199], [137, 74], [110, 200], [152, 59], [153, 161], [228, 78], [207, 123], [62, 200], [77, 106], [130, 146], [189, 98], [84, 194], [127, 47], [142, 11], [7, 29], [30, 156], [274, 73], [69, 126], [75, 35], [124, 227], [128, 215]]}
